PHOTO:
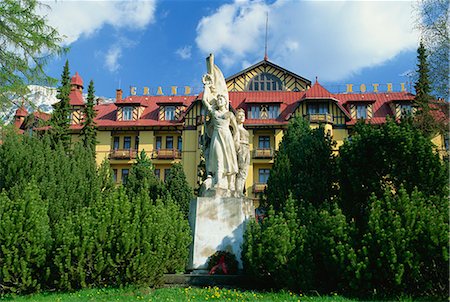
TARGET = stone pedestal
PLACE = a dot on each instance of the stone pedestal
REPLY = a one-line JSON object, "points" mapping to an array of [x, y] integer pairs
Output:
{"points": [[217, 223]]}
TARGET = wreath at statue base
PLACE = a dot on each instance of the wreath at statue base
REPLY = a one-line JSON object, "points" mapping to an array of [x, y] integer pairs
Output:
{"points": [[222, 263]]}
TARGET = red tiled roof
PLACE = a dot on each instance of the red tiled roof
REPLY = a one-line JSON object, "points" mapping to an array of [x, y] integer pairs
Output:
{"points": [[317, 92], [380, 100], [76, 98], [77, 80], [288, 101]]}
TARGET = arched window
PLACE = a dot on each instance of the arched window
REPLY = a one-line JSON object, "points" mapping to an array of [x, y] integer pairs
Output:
{"points": [[265, 82]]}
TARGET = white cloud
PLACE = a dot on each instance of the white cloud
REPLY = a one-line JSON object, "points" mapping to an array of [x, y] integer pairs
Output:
{"points": [[81, 18], [112, 58], [74, 19], [184, 52], [331, 39], [233, 30]]}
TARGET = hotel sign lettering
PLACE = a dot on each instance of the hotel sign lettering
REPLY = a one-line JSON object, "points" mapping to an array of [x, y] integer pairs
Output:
{"points": [[375, 88], [187, 90]]}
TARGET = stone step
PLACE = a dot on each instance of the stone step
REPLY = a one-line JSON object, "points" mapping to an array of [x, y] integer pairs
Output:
{"points": [[201, 280]]}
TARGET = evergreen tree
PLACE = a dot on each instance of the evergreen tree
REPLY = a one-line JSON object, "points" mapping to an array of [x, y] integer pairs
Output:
{"points": [[386, 157], [143, 178], [60, 120], [307, 155], [405, 248], [88, 132], [25, 240], [179, 189], [280, 181], [424, 119]]}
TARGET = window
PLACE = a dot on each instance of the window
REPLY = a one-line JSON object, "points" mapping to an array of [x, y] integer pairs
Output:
{"points": [[180, 143], [361, 111], [169, 113], [158, 173], [158, 142], [264, 142], [265, 82], [263, 111], [254, 112], [317, 108], [169, 142], [127, 113], [136, 143], [124, 175], [115, 175], [264, 175], [116, 142], [166, 174], [127, 142], [405, 110], [274, 111]]}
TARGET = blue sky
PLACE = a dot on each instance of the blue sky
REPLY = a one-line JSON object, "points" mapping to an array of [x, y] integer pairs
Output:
{"points": [[164, 43]]}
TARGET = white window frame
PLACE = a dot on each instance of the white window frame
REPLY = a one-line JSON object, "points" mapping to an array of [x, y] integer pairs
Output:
{"points": [[127, 113]]}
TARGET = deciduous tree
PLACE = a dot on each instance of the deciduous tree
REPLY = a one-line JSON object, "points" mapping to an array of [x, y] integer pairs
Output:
{"points": [[26, 44]]}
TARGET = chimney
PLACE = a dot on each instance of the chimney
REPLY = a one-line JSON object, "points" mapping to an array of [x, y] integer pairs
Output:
{"points": [[119, 94]]}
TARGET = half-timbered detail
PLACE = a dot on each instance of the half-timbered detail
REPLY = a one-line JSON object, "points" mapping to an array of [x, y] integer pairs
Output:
{"points": [[266, 76]]}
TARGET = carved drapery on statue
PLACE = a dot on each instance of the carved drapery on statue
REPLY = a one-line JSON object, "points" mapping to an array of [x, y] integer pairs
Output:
{"points": [[226, 163]]}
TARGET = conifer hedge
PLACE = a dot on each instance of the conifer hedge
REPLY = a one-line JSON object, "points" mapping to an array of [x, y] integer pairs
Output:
{"points": [[65, 226], [380, 230]]}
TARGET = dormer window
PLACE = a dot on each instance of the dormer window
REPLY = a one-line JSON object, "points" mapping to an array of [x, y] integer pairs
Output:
{"points": [[405, 110], [317, 108], [361, 111], [169, 113], [127, 113]]}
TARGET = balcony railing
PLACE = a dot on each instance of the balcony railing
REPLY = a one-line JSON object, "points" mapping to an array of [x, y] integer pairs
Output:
{"points": [[263, 153], [123, 154], [259, 187], [319, 118], [166, 154]]}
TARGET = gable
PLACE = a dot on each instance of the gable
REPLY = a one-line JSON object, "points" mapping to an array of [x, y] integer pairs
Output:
{"points": [[267, 74]]}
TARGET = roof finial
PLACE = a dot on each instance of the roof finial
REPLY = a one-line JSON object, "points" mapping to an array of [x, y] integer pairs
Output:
{"points": [[267, 25], [316, 79]]}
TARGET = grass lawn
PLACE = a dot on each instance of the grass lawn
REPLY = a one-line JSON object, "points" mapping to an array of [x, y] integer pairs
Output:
{"points": [[174, 294]]}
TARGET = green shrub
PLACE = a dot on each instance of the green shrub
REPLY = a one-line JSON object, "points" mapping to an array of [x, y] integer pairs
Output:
{"points": [[25, 240], [179, 188], [405, 247], [275, 249]]}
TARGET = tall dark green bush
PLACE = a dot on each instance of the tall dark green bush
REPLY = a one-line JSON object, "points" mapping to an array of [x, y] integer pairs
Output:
{"points": [[25, 240], [143, 178], [96, 234], [385, 157], [274, 248], [405, 248], [307, 248], [179, 188], [305, 164]]}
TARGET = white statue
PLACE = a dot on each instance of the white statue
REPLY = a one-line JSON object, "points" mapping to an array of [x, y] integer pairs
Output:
{"points": [[243, 153], [220, 156]]}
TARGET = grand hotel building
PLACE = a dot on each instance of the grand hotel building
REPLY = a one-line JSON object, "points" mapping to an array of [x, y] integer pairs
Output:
{"points": [[169, 127]]}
